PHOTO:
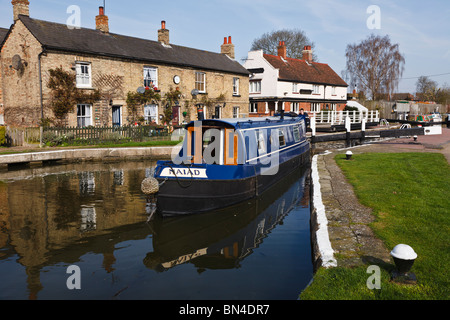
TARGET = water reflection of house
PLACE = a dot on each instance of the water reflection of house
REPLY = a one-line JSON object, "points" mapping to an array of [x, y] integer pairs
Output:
{"points": [[44, 216]]}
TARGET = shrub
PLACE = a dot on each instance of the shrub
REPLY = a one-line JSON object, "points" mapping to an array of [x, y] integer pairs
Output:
{"points": [[2, 135]]}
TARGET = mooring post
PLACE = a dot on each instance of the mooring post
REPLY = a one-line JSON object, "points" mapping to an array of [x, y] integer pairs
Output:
{"points": [[348, 142], [313, 131]]}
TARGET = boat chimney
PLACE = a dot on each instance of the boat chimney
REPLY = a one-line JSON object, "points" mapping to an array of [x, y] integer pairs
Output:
{"points": [[200, 114]]}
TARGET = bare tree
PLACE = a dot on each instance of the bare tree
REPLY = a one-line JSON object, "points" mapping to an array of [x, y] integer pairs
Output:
{"points": [[426, 89], [294, 39], [375, 65]]}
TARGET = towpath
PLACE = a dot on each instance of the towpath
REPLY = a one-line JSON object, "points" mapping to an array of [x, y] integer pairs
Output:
{"points": [[351, 238]]}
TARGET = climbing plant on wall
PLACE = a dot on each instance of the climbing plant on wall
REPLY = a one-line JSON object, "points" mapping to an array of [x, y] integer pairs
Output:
{"points": [[64, 94]]}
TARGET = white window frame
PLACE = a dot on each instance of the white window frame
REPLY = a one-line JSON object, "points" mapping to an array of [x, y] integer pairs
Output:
{"points": [[200, 81], [333, 91], [253, 107], [255, 86], [235, 86], [295, 107], [148, 116], [295, 87], [235, 112], [315, 107], [83, 116], [150, 76], [84, 74], [315, 89]]}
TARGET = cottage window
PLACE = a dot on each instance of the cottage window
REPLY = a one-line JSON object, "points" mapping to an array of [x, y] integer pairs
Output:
{"points": [[84, 79], [150, 77], [235, 112], [315, 107], [333, 91], [253, 107], [295, 107], [315, 89], [255, 86], [84, 115], [235, 86], [200, 80], [151, 113], [294, 87]]}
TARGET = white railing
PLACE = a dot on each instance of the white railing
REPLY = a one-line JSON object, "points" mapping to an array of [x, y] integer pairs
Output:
{"points": [[338, 117]]}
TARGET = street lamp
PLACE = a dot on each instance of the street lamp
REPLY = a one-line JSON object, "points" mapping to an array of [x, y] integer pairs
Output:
{"points": [[404, 257]]}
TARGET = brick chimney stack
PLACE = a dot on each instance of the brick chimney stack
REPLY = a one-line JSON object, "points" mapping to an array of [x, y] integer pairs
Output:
{"points": [[282, 49], [20, 7], [307, 54], [227, 47], [101, 21], [163, 34]]}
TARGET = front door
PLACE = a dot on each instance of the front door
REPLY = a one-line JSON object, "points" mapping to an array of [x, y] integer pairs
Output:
{"points": [[116, 116], [175, 115]]}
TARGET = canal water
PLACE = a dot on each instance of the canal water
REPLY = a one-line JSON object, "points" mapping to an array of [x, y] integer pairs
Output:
{"points": [[94, 217]]}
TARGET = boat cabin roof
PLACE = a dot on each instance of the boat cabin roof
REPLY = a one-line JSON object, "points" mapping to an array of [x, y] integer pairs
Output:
{"points": [[247, 123]]}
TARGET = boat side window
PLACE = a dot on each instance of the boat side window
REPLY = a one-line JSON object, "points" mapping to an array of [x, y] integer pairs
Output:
{"points": [[281, 137], [261, 143], [296, 133]]}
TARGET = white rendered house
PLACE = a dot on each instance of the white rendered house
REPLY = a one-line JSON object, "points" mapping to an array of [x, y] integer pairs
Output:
{"points": [[282, 83]]}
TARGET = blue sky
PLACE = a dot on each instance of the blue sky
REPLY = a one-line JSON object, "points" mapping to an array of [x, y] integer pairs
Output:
{"points": [[421, 28]]}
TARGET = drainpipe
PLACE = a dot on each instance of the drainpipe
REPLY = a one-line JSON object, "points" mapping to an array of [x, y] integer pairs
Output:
{"points": [[40, 83]]}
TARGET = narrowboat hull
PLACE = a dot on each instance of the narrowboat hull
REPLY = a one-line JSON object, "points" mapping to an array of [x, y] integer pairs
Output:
{"points": [[185, 196]]}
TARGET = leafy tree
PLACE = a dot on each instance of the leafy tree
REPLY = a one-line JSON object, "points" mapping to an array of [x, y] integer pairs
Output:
{"points": [[65, 95], [375, 65], [295, 40]]}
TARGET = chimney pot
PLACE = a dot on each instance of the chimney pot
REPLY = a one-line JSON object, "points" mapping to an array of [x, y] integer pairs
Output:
{"points": [[282, 50], [227, 47], [163, 33], [307, 54], [101, 21]]}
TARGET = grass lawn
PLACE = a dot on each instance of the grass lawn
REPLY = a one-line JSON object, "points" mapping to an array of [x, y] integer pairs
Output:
{"points": [[410, 197]]}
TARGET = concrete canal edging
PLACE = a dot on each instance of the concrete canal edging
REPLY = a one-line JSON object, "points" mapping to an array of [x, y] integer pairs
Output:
{"points": [[88, 154]]}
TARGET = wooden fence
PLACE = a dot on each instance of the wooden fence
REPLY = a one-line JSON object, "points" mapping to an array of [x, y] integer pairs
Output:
{"points": [[84, 136], [22, 136], [102, 135]]}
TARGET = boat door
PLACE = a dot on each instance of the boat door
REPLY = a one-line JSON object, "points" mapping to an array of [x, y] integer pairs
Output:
{"points": [[116, 116]]}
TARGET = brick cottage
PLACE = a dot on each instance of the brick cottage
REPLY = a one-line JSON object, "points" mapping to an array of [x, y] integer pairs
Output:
{"points": [[115, 65]]}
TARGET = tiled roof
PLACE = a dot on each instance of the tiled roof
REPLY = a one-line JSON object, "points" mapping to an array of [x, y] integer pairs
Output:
{"points": [[297, 70], [59, 37]]}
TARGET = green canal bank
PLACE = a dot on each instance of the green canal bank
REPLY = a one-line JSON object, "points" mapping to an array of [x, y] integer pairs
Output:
{"points": [[352, 242]]}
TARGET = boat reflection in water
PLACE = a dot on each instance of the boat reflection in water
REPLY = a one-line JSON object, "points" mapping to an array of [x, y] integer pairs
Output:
{"points": [[221, 239]]}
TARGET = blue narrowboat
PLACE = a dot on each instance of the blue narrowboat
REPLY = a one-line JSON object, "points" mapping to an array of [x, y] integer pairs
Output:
{"points": [[225, 161]]}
